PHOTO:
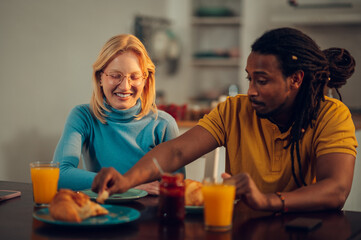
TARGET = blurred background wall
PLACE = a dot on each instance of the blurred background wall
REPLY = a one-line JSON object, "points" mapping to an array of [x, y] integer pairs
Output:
{"points": [[47, 48], [47, 51]]}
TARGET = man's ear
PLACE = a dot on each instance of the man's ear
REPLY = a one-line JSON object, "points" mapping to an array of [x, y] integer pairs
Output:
{"points": [[297, 79]]}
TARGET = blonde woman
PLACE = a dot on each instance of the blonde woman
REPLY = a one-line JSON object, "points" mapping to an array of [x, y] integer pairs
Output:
{"points": [[121, 123]]}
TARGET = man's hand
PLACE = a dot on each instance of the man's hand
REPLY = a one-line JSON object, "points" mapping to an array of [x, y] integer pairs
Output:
{"points": [[110, 180], [247, 190]]}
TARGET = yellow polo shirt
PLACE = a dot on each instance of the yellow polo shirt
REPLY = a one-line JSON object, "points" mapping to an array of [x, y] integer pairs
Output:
{"points": [[256, 145]]}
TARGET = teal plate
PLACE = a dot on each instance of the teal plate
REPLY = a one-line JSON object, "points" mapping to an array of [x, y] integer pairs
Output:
{"points": [[194, 209], [117, 215], [131, 194]]}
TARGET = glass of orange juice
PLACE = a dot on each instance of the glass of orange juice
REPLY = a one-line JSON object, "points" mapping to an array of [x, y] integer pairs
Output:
{"points": [[218, 204], [44, 176]]}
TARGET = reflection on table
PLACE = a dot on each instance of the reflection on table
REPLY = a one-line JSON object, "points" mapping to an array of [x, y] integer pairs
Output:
{"points": [[17, 222]]}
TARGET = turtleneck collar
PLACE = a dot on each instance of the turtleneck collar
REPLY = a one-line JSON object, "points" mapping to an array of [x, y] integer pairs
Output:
{"points": [[126, 115]]}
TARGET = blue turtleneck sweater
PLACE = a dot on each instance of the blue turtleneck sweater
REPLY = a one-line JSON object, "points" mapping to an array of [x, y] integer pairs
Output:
{"points": [[119, 143]]}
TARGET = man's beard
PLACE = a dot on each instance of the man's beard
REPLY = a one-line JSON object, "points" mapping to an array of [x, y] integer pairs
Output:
{"points": [[272, 113]]}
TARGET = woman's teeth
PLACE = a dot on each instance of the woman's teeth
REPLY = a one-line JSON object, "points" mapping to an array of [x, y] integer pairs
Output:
{"points": [[123, 95]]}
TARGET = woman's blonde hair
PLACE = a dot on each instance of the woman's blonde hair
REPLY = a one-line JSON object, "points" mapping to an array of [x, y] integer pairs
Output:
{"points": [[117, 45]]}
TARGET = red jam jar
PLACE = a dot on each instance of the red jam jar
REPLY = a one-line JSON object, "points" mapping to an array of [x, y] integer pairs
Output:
{"points": [[171, 198]]}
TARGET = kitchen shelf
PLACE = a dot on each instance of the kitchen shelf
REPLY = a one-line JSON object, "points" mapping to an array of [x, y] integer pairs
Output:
{"points": [[211, 62], [186, 124], [215, 40], [317, 20], [236, 21]]}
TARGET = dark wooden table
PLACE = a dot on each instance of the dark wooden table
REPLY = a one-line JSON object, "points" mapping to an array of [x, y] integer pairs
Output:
{"points": [[17, 222]]}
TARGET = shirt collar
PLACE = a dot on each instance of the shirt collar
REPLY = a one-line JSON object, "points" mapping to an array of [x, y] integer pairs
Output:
{"points": [[122, 115]]}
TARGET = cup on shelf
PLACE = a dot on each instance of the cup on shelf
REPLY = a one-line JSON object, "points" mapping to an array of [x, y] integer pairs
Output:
{"points": [[44, 177]]}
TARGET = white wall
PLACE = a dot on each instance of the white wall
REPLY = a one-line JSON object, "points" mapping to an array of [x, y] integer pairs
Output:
{"points": [[353, 202], [47, 51]]}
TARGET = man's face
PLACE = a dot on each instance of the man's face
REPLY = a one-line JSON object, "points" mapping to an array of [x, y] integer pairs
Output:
{"points": [[269, 92]]}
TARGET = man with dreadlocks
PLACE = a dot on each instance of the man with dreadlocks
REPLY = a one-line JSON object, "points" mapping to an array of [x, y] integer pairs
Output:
{"points": [[288, 146]]}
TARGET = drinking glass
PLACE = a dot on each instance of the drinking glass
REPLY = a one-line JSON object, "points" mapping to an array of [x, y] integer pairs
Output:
{"points": [[44, 176], [218, 204]]}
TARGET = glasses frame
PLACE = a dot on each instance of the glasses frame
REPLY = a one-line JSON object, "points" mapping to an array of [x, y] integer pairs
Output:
{"points": [[127, 76]]}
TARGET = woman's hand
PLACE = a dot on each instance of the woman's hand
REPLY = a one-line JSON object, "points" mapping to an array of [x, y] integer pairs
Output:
{"points": [[111, 180], [152, 187], [247, 190]]}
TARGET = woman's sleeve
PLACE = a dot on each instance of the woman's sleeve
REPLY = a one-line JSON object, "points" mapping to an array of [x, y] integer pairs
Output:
{"points": [[68, 152]]}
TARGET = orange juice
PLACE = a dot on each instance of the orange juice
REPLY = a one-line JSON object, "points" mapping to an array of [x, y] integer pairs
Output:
{"points": [[45, 178], [218, 206]]}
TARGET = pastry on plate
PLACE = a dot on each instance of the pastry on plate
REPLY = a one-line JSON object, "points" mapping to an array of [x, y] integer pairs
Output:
{"points": [[71, 206], [193, 193]]}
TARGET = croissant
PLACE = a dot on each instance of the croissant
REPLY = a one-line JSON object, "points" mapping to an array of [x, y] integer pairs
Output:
{"points": [[102, 197], [193, 193], [71, 206]]}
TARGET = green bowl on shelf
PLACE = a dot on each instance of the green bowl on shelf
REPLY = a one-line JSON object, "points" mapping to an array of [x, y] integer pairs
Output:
{"points": [[213, 12]]}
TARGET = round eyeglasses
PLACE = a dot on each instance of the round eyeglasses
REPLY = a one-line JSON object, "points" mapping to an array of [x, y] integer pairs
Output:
{"points": [[134, 79]]}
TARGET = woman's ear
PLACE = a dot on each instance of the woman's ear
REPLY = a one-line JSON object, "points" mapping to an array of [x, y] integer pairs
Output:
{"points": [[297, 79]]}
